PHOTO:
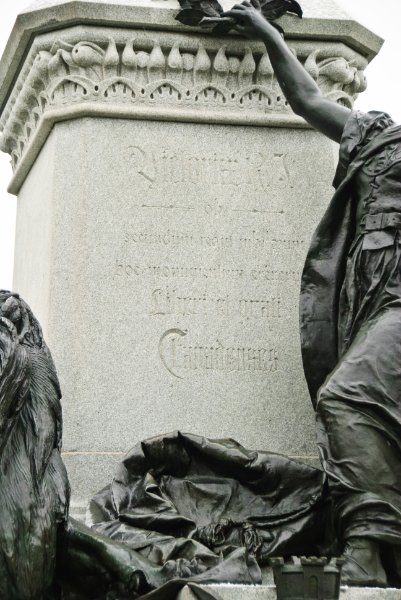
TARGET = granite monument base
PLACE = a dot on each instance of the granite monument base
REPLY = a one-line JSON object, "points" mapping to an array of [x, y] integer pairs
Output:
{"points": [[166, 198], [268, 592], [167, 259]]}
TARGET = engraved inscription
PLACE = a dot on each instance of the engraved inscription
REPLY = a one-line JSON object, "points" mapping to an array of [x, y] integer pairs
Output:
{"points": [[181, 239], [169, 301], [209, 246], [257, 170], [132, 270], [180, 357]]}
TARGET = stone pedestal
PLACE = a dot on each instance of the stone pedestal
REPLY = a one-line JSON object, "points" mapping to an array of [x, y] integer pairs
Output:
{"points": [[167, 195], [268, 592]]}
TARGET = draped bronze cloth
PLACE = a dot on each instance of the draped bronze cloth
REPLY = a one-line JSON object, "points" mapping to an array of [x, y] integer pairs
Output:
{"points": [[351, 332], [325, 265], [183, 508]]}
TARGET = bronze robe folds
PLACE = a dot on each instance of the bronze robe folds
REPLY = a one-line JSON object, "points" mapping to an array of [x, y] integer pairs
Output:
{"points": [[350, 310]]}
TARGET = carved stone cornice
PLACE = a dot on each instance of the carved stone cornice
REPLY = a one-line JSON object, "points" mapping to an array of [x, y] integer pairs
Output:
{"points": [[160, 76]]}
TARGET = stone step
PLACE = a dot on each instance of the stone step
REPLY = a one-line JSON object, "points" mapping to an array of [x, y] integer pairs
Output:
{"points": [[268, 592]]}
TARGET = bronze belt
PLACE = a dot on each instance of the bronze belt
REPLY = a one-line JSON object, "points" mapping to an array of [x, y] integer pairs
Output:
{"points": [[380, 221]]}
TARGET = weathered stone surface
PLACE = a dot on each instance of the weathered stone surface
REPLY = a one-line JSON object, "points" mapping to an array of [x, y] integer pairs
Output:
{"points": [[161, 234], [246, 592], [87, 472], [173, 267]]}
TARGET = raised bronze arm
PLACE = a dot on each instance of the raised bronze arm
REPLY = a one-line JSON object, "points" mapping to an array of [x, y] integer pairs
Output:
{"points": [[299, 88]]}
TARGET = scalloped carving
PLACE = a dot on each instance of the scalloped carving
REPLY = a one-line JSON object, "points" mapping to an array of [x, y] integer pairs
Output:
{"points": [[256, 97], [119, 88], [165, 91], [69, 89], [210, 95], [140, 73]]}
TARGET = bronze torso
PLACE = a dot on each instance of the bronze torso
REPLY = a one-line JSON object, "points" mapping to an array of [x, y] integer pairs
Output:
{"points": [[378, 185]]}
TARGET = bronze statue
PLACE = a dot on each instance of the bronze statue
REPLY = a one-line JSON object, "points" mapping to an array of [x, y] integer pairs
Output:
{"points": [[210, 12], [34, 490], [350, 310], [154, 528]]}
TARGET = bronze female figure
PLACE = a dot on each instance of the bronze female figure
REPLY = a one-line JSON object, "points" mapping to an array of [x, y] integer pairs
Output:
{"points": [[350, 311]]}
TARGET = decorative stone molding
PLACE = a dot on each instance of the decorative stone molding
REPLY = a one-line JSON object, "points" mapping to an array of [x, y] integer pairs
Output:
{"points": [[159, 76]]}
